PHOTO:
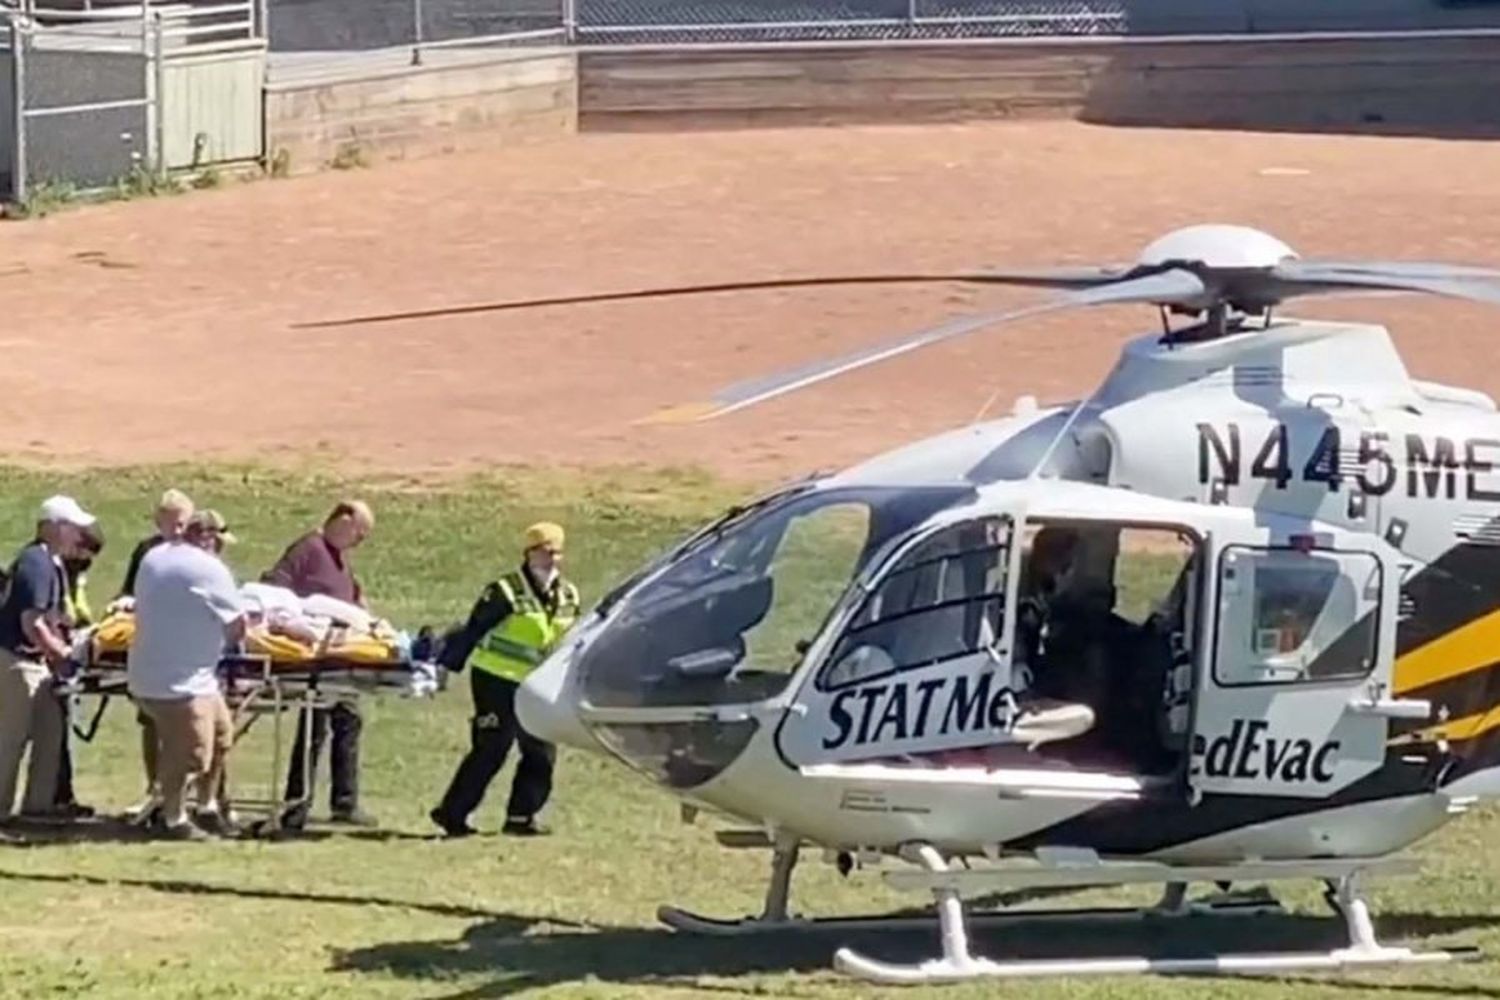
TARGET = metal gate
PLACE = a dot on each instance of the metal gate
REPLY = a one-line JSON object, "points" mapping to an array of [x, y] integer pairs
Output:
{"points": [[81, 106], [102, 94]]}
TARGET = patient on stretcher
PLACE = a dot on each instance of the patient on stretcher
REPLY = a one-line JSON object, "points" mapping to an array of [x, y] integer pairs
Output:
{"points": [[283, 626]]}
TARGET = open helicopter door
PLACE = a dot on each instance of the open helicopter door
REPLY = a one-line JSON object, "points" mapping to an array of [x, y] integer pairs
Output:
{"points": [[1293, 699], [921, 661]]}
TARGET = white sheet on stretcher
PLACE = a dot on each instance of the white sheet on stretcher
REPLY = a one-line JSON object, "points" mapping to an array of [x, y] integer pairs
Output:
{"points": [[284, 609], [317, 611]]}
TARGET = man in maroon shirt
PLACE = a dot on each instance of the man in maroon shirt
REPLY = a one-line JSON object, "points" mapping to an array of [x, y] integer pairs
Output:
{"points": [[318, 563]]}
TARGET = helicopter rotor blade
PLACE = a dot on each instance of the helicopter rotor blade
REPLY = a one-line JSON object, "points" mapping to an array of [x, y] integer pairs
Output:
{"points": [[1172, 287], [1401, 268], [1474, 284], [1061, 278]]}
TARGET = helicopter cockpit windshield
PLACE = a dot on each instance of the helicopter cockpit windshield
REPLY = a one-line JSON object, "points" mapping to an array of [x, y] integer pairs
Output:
{"points": [[728, 619]]}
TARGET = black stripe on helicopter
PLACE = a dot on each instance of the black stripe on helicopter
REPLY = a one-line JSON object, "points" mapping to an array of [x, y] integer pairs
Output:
{"points": [[1471, 693], [1430, 468], [1458, 588], [1157, 823]]}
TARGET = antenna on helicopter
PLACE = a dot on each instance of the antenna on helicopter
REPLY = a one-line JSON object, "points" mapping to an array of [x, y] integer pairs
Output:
{"points": [[1222, 273]]}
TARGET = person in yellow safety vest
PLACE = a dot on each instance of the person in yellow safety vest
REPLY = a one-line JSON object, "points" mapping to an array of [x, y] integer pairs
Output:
{"points": [[516, 622]]}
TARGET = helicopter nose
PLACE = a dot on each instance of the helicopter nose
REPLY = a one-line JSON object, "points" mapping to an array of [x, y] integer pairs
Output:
{"points": [[544, 708]]}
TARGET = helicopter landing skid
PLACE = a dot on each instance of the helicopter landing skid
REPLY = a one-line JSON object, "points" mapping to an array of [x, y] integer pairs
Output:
{"points": [[958, 963], [775, 918], [693, 923]]}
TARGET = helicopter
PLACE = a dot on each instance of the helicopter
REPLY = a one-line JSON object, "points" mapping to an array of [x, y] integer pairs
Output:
{"points": [[1234, 616]]}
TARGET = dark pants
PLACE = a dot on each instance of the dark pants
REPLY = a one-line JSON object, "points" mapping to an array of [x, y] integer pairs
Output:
{"points": [[491, 732], [343, 718], [65, 796]]}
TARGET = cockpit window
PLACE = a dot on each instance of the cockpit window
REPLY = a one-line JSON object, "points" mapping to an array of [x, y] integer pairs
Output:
{"points": [[943, 599], [729, 618], [817, 558]]}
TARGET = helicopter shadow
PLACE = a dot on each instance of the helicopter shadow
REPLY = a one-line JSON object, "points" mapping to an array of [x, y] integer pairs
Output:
{"points": [[523, 953]]}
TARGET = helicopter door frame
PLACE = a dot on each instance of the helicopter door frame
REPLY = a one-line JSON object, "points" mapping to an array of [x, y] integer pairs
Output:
{"points": [[852, 709], [1296, 665]]}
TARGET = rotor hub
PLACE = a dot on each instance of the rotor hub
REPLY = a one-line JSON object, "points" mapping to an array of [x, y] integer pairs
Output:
{"points": [[1217, 246]]}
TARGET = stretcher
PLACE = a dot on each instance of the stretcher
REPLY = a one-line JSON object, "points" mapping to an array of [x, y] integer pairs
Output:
{"points": [[271, 673], [341, 662]]}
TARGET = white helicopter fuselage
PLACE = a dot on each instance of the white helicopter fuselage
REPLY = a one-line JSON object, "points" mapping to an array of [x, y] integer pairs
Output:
{"points": [[1314, 682]]}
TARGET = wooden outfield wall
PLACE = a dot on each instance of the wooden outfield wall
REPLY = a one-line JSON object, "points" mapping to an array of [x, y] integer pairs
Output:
{"points": [[1435, 84], [1439, 84]]}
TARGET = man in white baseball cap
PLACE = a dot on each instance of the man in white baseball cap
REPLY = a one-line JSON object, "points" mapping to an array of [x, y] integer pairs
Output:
{"points": [[33, 649], [65, 510]]}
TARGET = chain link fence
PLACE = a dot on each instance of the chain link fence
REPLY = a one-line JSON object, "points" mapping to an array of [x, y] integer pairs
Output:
{"points": [[80, 111], [362, 25], [365, 25], [356, 25], [86, 82], [682, 21]]}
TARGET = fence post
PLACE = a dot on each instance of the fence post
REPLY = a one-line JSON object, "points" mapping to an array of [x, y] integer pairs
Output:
{"points": [[159, 70], [18, 100], [570, 21], [263, 19], [416, 46], [148, 71], [911, 13]]}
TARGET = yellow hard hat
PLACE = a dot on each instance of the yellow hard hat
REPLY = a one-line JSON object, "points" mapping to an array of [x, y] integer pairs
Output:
{"points": [[544, 533]]}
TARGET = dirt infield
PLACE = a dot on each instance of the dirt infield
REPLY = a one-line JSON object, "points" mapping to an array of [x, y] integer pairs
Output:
{"points": [[169, 322]]}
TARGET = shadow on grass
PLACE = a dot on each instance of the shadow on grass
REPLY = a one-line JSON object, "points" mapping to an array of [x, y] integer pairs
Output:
{"points": [[114, 830], [1427, 989], [185, 887], [520, 953]]}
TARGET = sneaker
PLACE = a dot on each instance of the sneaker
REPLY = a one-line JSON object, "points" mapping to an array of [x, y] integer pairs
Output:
{"points": [[294, 817], [353, 817], [216, 823], [523, 827], [142, 812], [185, 830], [449, 827]]}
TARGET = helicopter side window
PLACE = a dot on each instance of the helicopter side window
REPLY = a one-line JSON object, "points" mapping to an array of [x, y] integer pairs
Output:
{"points": [[1311, 616], [945, 598]]}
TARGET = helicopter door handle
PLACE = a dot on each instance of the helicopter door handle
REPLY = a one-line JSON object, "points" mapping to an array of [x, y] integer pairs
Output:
{"points": [[1329, 400], [1392, 708]]}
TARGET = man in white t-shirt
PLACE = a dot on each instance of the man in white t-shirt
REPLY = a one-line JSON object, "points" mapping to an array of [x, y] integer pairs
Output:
{"points": [[187, 608]]}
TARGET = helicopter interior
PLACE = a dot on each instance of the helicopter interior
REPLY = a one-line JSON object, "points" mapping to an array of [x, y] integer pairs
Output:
{"points": [[1106, 618], [1103, 667]]}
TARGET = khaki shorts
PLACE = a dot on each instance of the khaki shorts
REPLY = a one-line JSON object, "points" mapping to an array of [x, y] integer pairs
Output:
{"points": [[192, 730]]}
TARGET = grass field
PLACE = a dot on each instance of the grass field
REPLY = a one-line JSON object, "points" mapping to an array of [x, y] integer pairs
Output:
{"points": [[395, 913]]}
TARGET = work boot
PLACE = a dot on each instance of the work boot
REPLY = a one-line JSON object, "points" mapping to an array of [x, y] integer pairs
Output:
{"points": [[353, 817], [451, 828], [523, 826]]}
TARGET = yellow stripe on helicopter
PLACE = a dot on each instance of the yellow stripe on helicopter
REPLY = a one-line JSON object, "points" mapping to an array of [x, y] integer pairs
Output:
{"points": [[1467, 648]]}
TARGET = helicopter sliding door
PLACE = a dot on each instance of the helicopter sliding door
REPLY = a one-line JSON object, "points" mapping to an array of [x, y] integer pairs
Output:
{"points": [[1291, 701], [921, 664]]}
